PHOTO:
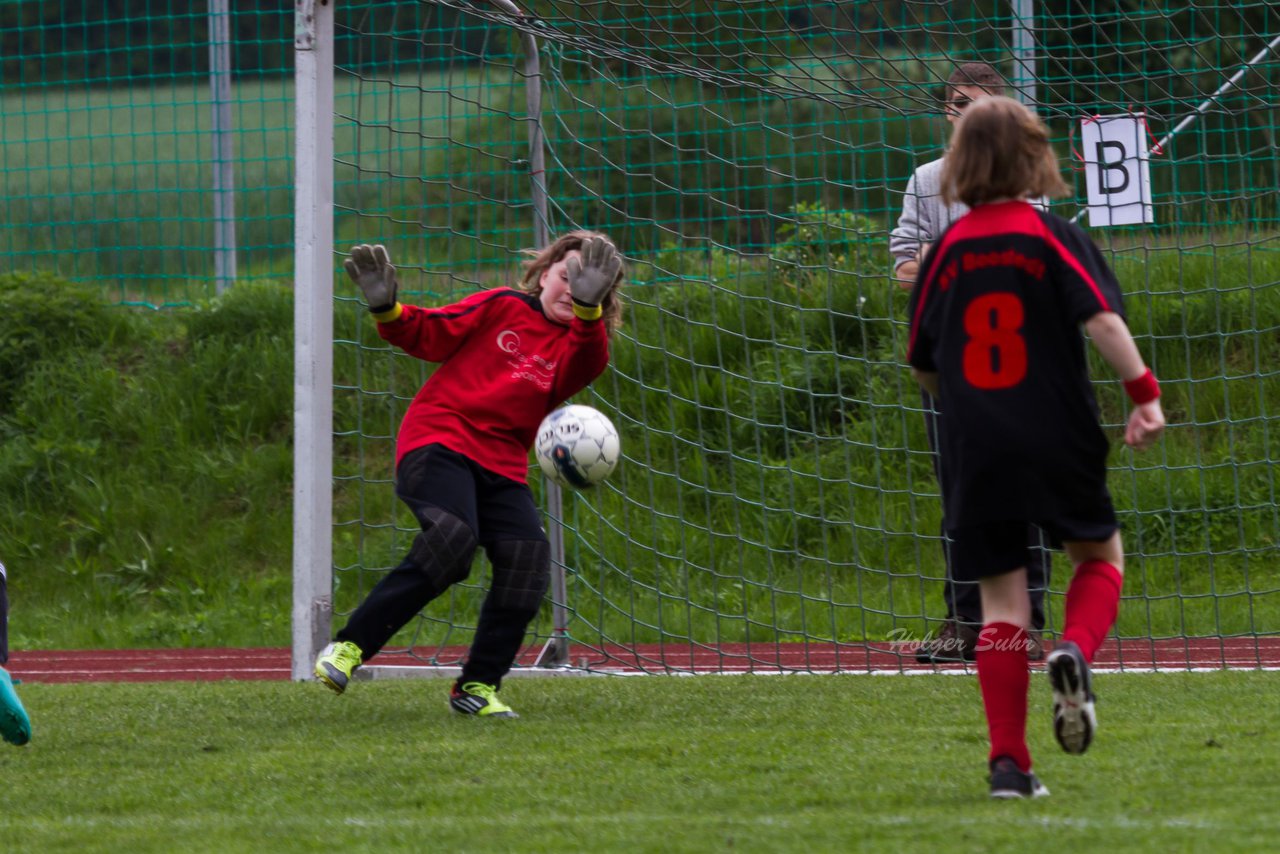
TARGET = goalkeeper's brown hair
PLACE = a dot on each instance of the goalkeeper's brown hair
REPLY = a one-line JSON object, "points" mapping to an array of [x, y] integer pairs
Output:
{"points": [[540, 260], [1000, 150]]}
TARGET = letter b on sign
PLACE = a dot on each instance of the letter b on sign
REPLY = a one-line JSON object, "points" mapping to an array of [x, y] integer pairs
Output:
{"points": [[1118, 176], [1113, 174]]}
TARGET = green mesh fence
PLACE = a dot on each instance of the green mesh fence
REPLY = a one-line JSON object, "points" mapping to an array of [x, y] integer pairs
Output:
{"points": [[776, 500], [108, 144], [776, 506]]}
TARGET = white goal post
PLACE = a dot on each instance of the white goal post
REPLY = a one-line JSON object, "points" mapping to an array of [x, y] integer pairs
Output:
{"points": [[313, 336]]}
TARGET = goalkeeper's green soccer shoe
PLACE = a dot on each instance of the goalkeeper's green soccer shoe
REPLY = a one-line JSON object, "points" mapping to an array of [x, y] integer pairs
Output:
{"points": [[477, 698], [15, 726], [336, 663]]}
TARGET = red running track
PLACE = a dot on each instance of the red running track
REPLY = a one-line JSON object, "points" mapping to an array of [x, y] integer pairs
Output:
{"points": [[165, 665]]}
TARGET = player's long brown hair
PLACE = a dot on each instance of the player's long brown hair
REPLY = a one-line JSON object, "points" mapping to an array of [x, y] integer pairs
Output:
{"points": [[1000, 150], [540, 260]]}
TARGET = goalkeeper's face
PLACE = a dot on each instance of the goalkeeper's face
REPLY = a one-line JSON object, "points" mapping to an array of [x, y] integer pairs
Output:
{"points": [[557, 304]]}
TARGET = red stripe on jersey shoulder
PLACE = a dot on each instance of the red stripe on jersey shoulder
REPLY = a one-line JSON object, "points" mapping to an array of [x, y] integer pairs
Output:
{"points": [[1075, 264], [994, 220], [478, 300], [1017, 217]]}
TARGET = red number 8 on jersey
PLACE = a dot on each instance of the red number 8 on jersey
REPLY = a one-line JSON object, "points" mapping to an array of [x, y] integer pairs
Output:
{"points": [[995, 356]]}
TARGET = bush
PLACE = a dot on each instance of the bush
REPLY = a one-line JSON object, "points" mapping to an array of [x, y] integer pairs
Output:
{"points": [[41, 317]]}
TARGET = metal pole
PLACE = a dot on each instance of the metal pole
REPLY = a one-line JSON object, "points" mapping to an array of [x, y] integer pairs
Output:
{"points": [[1158, 147], [1024, 51], [224, 189], [313, 334], [1199, 111], [533, 107], [556, 652]]}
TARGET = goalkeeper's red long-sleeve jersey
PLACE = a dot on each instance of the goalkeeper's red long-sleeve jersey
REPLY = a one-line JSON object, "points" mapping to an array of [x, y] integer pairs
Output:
{"points": [[503, 367]]}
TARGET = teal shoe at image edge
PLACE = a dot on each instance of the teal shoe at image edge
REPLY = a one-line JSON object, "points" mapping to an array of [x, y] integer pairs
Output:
{"points": [[15, 726]]}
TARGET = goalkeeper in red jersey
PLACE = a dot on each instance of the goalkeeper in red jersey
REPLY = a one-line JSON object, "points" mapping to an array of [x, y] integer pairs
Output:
{"points": [[507, 357], [995, 335]]}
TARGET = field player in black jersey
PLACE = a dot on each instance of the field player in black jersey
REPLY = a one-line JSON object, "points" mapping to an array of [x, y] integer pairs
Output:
{"points": [[995, 334]]}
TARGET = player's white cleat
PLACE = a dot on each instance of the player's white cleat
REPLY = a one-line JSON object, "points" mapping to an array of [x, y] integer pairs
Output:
{"points": [[1074, 720]]}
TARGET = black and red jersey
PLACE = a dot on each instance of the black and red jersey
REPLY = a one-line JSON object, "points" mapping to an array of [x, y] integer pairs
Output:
{"points": [[503, 367], [996, 313]]}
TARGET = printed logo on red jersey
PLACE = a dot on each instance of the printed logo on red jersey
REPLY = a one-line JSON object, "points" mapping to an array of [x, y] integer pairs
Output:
{"points": [[534, 369], [1008, 258]]}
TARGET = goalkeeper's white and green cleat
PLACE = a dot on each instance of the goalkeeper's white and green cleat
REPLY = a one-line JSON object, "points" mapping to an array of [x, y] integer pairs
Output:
{"points": [[477, 698], [336, 663], [15, 726]]}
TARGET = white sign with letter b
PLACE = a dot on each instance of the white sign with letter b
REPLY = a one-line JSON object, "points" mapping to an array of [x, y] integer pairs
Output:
{"points": [[1116, 170]]}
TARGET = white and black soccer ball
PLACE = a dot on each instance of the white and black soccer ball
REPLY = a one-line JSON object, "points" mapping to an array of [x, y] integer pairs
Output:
{"points": [[577, 446]]}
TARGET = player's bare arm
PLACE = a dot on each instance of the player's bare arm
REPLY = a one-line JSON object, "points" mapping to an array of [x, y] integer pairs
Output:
{"points": [[908, 270], [928, 380], [1110, 335]]}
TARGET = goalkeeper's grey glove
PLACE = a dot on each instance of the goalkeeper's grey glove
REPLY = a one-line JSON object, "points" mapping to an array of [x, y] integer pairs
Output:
{"points": [[370, 268], [591, 275]]}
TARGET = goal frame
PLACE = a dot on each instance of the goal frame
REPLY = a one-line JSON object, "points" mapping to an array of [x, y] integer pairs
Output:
{"points": [[313, 568]]}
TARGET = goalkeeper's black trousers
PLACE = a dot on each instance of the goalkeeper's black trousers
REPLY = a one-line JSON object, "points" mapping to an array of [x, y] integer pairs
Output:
{"points": [[461, 506]]}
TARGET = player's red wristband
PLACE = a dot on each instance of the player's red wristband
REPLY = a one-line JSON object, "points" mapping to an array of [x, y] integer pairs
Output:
{"points": [[1144, 389]]}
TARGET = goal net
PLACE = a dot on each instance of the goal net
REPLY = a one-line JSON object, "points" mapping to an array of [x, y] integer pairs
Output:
{"points": [[776, 507]]}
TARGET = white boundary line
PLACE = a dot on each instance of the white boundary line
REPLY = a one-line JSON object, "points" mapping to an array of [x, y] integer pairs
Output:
{"points": [[369, 673]]}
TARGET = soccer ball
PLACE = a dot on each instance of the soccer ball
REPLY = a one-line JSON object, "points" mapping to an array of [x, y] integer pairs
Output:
{"points": [[577, 446]]}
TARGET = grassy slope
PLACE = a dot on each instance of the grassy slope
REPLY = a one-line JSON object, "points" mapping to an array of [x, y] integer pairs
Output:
{"points": [[156, 510], [145, 469], [775, 475]]}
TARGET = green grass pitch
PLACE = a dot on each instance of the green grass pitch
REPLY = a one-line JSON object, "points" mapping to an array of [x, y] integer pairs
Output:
{"points": [[771, 764]]}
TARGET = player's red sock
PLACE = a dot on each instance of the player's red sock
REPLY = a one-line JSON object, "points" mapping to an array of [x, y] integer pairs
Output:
{"points": [[1004, 678], [1093, 599]]}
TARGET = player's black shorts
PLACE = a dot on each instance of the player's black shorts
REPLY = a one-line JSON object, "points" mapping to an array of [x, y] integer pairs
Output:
{"points": [[994, 548]]}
